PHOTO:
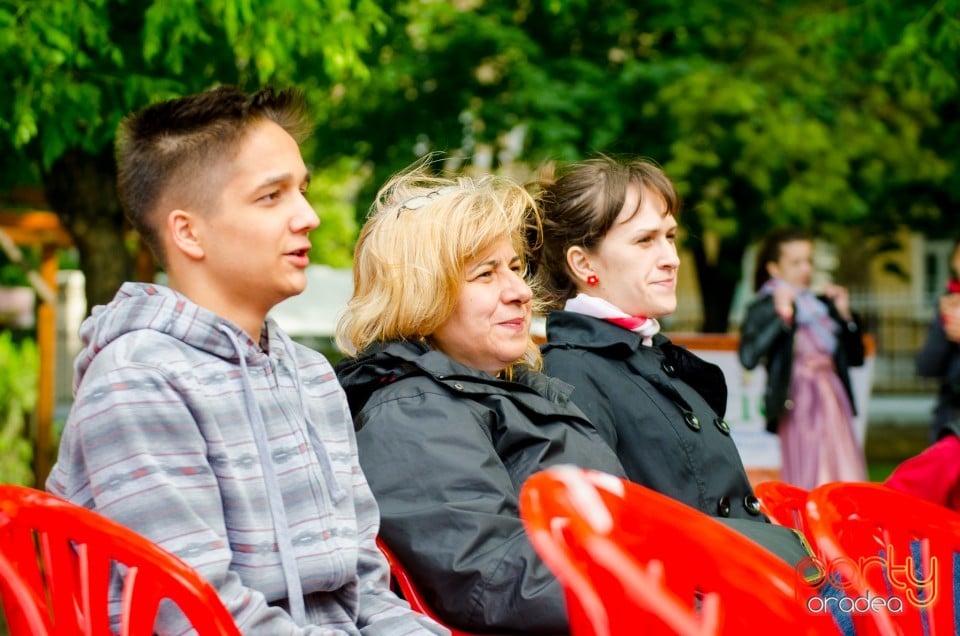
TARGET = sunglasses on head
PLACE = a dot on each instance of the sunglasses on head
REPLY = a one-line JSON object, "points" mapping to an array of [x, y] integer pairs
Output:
{"points": [[417, 202]]}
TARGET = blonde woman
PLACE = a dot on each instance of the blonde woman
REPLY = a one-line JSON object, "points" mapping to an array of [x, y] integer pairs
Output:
{"points": [[451, 413]]}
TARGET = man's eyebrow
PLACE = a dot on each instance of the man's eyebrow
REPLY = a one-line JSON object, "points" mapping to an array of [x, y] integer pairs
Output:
{"points": [[282, 178]]}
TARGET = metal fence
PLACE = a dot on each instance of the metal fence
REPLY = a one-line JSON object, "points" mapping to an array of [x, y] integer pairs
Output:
{"points": [[896, 322], [899, 326]]}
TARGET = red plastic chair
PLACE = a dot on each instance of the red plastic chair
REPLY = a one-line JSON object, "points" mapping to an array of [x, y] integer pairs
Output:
{"points": [[871, 537], [21, 608], [67, 556], [404, 587], [635, 561], [786, 505]]}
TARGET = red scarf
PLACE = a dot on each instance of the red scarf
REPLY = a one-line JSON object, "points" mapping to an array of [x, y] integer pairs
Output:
{"points": [[588, 305], [630, 322]]}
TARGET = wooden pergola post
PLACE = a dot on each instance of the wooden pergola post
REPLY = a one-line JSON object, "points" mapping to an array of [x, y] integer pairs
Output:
{"points": [[42, 229]]}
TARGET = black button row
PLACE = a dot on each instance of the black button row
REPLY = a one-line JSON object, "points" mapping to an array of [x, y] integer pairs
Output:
{"points": [[750, 502], [693, 423]]}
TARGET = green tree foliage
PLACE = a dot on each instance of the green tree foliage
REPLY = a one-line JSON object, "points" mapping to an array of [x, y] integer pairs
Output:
{"points": [[783, 126], [837, 116], [19, 370], [333, 192], [72, 70], [831, 115]]}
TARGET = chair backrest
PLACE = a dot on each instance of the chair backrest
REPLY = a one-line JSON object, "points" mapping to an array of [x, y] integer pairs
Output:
{"points": [[559, 512], [21, 608], [68, 557], [636, 561], [786, 505], [403, 585], [897, 555]]}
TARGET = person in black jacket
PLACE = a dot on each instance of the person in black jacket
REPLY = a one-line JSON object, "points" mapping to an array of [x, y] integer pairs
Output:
{"points": [[934, 474], [939, 357], [607, 265], [807, 343], [452, 415]]}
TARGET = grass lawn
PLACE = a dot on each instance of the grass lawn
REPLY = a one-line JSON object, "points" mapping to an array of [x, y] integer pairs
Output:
{"points": [[889, 445], [880, 470]]}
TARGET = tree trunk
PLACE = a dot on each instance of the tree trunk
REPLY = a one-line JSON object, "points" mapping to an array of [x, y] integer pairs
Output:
{"points": [[856, 254], [718, 275], [81, 189]]}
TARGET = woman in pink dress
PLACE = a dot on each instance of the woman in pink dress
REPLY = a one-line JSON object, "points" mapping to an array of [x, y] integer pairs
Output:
{"points": [[807, 343]]}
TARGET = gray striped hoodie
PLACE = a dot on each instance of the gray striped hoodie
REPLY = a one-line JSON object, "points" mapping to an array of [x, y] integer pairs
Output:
{"points": [[239, 457]]}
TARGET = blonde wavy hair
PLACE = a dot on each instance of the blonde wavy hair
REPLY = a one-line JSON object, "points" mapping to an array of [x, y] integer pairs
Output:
{"points": [[421, 233]]}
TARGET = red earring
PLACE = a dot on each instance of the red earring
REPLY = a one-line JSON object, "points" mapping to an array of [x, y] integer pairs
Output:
{"points": [[592, 280]]}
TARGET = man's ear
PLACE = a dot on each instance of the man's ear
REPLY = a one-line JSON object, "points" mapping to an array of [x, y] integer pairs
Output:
{"points": [[579, 263], [183, 230]]}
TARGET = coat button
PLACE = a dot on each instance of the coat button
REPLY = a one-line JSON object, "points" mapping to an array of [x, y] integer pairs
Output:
{"points": [[752, 504], [788, 404], [692, 421], [458, 386], [668, 369], [723, 506], [722, 425]]}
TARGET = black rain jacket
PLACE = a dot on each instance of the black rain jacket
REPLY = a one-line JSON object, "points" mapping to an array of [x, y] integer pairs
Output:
{"points": [[445, 449], [940, 358]]}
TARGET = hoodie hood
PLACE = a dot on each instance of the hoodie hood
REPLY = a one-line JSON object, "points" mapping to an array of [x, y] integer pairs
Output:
{"points": [[384, 363], [140, 306]]}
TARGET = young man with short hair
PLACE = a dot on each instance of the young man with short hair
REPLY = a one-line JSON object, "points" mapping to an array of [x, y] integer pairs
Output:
{"points": [[197, 422]]}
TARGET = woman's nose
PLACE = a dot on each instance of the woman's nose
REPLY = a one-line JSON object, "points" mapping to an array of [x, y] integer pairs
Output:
{"points": [[670, 259], [518, 290]]}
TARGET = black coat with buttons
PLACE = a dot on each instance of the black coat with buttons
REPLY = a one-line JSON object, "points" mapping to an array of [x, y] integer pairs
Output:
{"points": [[445, 449], [659, 407], [766, 337]]}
